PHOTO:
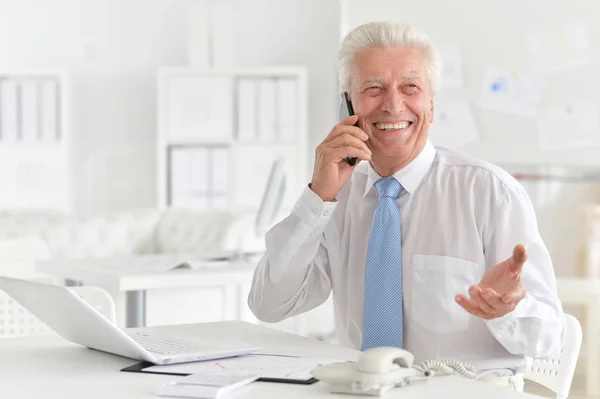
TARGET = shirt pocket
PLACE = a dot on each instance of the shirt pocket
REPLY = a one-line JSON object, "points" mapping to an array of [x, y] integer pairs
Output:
{"points": [[436, 282]]}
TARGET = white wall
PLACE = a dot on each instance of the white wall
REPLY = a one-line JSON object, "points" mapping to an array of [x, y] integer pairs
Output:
{"points": [[112, 49]]}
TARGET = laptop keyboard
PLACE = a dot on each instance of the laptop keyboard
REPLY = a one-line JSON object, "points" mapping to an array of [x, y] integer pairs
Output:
{"points": [[168, 346]]}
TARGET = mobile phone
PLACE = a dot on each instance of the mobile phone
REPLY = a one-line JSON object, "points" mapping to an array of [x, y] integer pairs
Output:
{"points": [[346, 110]]}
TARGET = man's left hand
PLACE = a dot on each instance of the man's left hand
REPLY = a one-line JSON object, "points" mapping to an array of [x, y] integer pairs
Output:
{"points": [[499, 291]]}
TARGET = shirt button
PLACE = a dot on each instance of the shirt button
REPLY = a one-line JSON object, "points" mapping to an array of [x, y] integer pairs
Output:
{"points": [[326, 213]]}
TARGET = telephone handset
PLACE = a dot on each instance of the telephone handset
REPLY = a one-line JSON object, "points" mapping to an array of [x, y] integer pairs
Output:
{"points": [[347, 110], [378, 370]]}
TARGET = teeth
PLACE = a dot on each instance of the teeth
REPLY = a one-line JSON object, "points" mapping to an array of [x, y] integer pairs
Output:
{"points": [[392, 126]]}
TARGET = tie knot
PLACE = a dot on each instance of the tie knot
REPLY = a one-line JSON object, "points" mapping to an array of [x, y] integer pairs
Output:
{"points": [[388, 187]]}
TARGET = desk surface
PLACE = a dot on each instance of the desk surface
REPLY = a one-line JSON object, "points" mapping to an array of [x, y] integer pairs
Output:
{"points": [[238, 272], [48, 367]]}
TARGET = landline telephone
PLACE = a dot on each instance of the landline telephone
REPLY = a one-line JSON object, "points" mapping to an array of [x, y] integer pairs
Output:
{"points": [[378, 370]]}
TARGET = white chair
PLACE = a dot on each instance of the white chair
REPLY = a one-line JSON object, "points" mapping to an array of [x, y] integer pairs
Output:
{"points": [[556, 373]]}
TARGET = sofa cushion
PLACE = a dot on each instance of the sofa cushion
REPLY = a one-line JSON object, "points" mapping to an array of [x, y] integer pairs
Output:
{"points": [[187, 231], [103, 236]]}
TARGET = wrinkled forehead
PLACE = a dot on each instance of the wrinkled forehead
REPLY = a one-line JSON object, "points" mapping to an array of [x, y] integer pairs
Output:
{"points": [[388, 64]]}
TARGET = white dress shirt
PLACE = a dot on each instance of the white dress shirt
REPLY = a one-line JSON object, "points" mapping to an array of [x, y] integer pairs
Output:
{"points": [[460, 216]]}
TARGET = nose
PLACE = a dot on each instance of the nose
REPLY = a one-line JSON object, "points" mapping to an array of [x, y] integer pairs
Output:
{"points": [[393, 102]]}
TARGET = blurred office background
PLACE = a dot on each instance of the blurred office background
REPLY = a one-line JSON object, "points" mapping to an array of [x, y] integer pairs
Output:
{"points": [[136, 127]]}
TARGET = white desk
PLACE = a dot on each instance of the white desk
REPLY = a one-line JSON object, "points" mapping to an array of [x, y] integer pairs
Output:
{"points": [[50, 367], [135, 284], [586, 292]]}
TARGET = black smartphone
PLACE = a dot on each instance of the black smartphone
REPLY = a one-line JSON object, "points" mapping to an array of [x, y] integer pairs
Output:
{"points": [[346, 110]]}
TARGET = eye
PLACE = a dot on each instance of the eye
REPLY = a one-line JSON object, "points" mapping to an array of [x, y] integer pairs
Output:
{"points": [[374, 89], [410, 88]]}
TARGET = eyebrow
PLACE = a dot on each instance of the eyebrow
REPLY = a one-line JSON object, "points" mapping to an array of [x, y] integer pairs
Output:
{"points": [[379, 80]]}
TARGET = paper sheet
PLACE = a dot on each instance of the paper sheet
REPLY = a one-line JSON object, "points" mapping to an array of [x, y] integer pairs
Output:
{"points": [[570, 126], [452, 69], [560, 48], [512, 92], [454, 125], [265, 366]]}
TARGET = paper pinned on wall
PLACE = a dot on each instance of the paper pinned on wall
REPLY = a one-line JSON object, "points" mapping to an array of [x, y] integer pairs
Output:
{"points": [[452, 68], [454, 125], [512, 92], [569, 126], [560, 48]]}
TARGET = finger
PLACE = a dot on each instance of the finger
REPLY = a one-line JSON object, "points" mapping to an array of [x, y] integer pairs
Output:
{"points": [[340, 153], [517, 259], [340, 129], [470, 307], [493, 299], [478, 300], [346, 140], [351, 120], [514, 296]]}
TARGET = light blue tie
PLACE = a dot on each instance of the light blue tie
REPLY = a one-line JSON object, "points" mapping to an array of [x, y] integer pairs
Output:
{"points": [[382, 317]]}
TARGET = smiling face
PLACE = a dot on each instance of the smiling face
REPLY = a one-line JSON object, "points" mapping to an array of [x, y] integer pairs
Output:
{"points": [[391, 94]]}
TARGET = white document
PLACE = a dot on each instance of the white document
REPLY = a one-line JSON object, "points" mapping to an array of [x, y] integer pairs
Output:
{"points": [[247, 109], [511, 92], [452, 68], [220, 169], [560, 48], [204, 385], [9, 111], [569, 127], [29, 120], [454, 125], [266, 110], [49, 111], [189, 178], [265, 366], [287, 106]]}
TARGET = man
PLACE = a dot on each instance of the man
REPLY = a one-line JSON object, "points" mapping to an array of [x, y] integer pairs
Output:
{"points": [[424, 248]]}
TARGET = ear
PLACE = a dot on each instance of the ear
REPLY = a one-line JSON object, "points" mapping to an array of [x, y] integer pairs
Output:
{"points": [[432, 112]]}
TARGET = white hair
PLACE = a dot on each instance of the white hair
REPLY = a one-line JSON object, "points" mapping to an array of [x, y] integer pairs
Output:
{"points": [[387, 34]]}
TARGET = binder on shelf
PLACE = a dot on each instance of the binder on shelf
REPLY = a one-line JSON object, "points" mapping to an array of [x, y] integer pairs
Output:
{"points": [[9, 111], [29, 120], [266, 110], [219, 170], [287, 104], [189, 177], [246, 109], [49, 111]]}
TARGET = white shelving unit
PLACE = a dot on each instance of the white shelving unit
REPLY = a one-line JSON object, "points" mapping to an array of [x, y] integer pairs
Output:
{"points": [[34, 141], [219, 132]]}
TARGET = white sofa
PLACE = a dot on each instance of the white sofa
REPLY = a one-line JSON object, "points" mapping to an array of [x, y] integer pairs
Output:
{"points": [[138, 232], [152, 232]]}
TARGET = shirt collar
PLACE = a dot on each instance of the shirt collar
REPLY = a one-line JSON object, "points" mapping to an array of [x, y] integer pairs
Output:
{"points": [[409, 176]]}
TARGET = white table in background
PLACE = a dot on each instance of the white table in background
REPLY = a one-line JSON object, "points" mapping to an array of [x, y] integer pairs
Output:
{"points": [[50, 367], [135, 284], [586, 292]]}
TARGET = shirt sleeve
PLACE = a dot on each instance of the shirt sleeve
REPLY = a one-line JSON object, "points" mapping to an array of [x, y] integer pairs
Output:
{"points": [[536, 328], [294, 276]]}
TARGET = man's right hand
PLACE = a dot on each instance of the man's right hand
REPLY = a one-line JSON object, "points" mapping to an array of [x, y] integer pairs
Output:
{"points": [[331, 170]]}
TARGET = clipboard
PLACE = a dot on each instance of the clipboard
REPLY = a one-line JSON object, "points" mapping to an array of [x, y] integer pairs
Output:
{"points": [[139, 368]]}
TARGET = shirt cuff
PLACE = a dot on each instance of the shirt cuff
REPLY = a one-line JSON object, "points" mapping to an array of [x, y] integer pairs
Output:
{"points": [[312, 210], [506, 324]]}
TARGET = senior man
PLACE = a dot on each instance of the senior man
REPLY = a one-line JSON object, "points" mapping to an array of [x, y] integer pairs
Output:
{"points": [[424, 248]]}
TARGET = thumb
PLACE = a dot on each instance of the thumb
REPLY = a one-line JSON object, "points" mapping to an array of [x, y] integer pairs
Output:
{"points": [[518, 258]]}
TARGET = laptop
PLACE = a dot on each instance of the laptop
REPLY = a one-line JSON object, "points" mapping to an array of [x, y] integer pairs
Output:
{"points": [[77, 321]]}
